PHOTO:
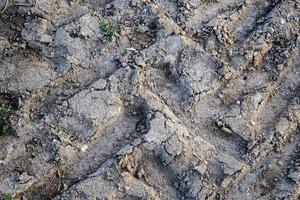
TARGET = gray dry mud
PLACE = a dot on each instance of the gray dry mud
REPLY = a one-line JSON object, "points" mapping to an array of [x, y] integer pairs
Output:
{"points": [[194, 99]]}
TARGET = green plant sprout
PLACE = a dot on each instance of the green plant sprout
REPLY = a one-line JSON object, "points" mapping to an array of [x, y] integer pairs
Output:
{"points": [[110, 32], [8, 197], [5, 128]]}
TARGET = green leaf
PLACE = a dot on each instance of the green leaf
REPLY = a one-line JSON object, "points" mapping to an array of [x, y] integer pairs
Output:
{"points": [[8, 197], [119, 29], [104, 25], [5, 128]]}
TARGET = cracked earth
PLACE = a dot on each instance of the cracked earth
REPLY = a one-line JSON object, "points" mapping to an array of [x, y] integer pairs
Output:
{"points": [[194, 99]]}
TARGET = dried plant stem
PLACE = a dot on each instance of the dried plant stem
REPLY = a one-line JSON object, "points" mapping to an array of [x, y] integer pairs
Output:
{"points": [[5, 7]]}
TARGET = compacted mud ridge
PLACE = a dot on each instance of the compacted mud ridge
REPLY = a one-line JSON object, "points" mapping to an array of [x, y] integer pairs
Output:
{"points": [[150, 99]]}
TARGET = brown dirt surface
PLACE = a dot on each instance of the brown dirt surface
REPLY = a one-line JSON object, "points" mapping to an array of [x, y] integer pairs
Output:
{"points": [[150, 99]]}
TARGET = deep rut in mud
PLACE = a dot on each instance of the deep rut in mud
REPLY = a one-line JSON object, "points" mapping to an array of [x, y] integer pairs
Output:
{"points": [[127, 99]]}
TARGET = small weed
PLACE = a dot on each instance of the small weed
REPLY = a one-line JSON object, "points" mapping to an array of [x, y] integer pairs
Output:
{"points": [[104, 25], [119, 29], [5, 128], [8, 197], [110, 32]]}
